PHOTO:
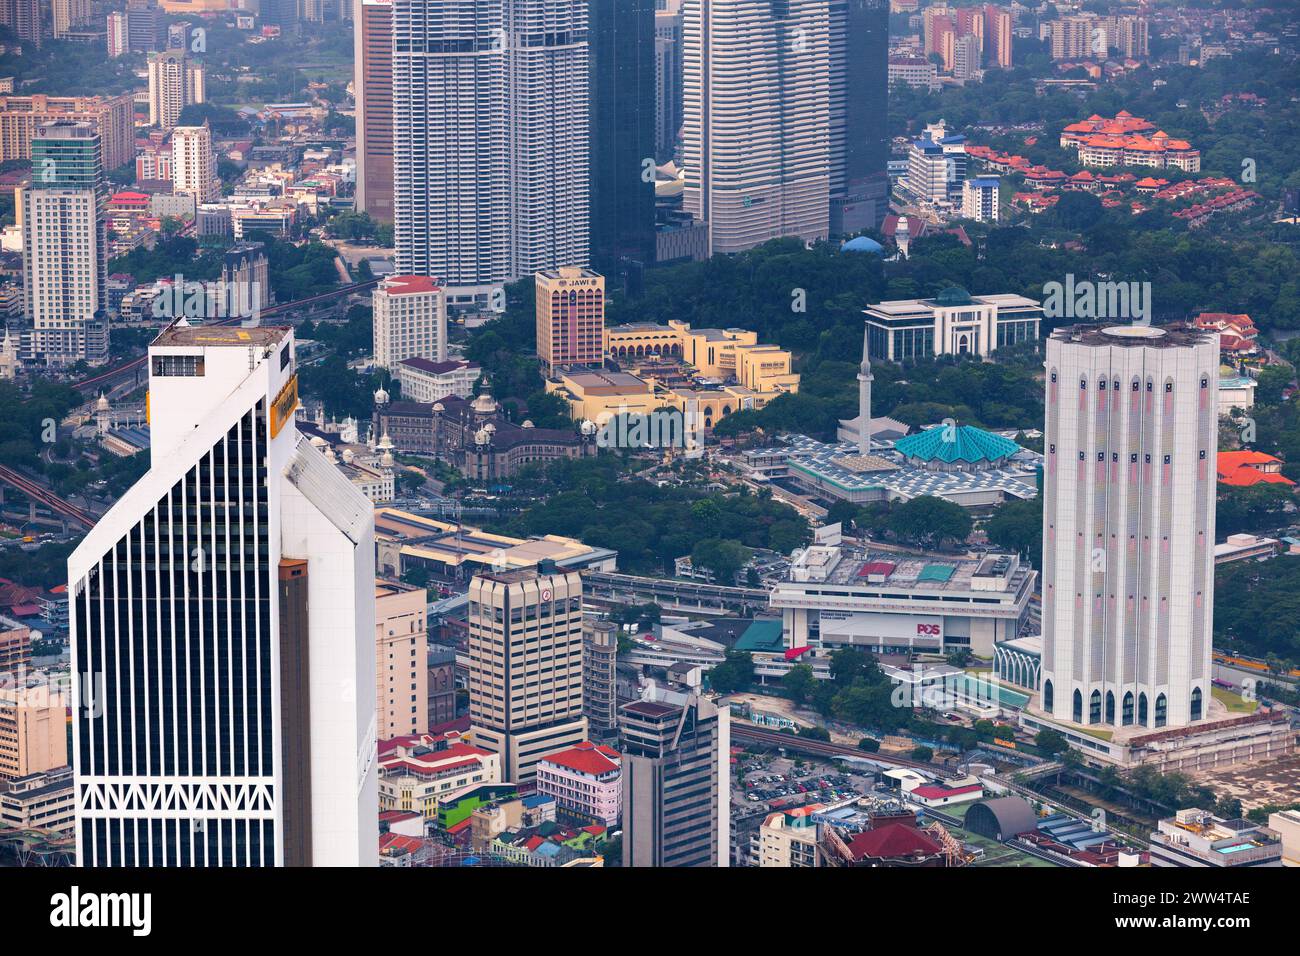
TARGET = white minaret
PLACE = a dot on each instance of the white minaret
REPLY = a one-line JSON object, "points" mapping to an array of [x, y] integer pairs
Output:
{"points": [[865, 378], [1128, 524]]}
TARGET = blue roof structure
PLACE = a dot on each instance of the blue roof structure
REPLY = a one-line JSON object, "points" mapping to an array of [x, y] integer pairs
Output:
{"points": [[862, 244], [959, 443], [824, 463]]}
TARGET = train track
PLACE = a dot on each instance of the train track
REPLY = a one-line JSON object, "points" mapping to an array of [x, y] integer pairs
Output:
{"points": [[822, 748], [45, 497], [90, 385]]}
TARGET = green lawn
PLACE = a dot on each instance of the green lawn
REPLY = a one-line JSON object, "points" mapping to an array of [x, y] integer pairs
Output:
{"points": [[1234, 702]]}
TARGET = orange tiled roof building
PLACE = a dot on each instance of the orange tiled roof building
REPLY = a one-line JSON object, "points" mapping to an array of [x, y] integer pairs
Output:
{"points": [[1240, 469], [1128, 140]]}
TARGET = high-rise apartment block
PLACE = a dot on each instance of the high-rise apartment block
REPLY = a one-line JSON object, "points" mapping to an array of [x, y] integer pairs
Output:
{"points": [[223, 630], [194, 164], [65, 246], [373, 82], [1128, 536], [525, 666], [676, 791], [410, 320], [979, 198], [490, 150], [401, 655], [966, 58], [756, 106], [1078, 37], [116, 37], [997, 36], [570, 304], [66, 14], [175, 82], [599, 678], [23, 18], [111, 116], [15, 646], [1132, 37]]}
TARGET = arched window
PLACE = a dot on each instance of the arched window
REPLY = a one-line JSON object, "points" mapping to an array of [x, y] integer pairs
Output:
{"points": [[1196, 703], [1094, 707], [1162, 711], [1110, 707], [1047, 696], [1078, 706], [1127, 717], [1142, 709]]}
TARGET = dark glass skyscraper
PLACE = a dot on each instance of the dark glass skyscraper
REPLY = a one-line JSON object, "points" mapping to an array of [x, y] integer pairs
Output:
{"points": [[859, 34], [622, 43]]}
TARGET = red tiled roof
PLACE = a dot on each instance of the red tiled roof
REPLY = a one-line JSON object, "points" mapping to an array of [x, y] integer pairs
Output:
{"points": [[409, 285], [891, 841], [1235, 459], [399, 842], [933, 791], [1245, 477], [586, 757]]}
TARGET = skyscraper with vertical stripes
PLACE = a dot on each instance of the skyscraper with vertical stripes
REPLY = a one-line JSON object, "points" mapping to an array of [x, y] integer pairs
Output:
{"points": [[222, 625], [1128, 524], [756, 119], [490, 140]]}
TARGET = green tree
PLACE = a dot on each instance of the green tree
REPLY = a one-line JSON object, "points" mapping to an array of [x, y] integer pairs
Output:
{"points": [[799, 682], [928, 522], [1017, 525], [735, 673], [1051, 742]]}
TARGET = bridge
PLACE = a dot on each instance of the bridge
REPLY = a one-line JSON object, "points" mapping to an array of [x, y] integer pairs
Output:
{"points": [[39, 495], [685, 596]]}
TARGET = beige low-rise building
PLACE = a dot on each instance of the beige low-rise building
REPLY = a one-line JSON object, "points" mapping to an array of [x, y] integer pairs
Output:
{"points": [[724, 355], [598, 396], [39, 801]]}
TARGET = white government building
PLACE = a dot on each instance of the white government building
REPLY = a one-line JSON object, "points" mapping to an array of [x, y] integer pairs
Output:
{"points": [[953, 323]]}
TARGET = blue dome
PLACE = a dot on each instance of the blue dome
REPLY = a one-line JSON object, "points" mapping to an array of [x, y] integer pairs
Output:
{"points": [[862, 244]]}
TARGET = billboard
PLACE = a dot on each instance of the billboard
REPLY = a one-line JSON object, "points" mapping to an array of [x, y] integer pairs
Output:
{"points": [[895, 630]]}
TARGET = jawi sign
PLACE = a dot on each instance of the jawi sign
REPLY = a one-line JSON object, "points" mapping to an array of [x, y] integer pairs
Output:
{"points": [[283, 406]]}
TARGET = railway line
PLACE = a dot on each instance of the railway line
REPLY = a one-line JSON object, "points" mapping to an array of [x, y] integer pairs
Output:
{"points": [[44, 496], [822, 748]]}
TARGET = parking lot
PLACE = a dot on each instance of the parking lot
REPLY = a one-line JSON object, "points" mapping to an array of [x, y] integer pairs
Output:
{"points": [[781, 782]]}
